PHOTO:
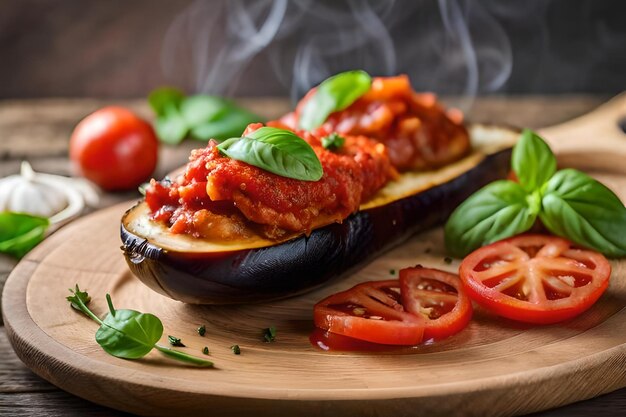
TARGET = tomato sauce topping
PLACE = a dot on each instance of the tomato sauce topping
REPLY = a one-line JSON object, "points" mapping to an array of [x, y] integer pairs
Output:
{"points": [[217, 197], [418, 132]]}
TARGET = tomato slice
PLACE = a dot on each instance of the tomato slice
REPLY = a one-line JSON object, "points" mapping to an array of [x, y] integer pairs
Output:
{"points": [[535, 278], [371, 311], [424, 304], [437, 295]]}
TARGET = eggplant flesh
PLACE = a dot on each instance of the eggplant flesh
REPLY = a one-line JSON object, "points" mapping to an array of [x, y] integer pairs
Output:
{"points": [[203, 272]]}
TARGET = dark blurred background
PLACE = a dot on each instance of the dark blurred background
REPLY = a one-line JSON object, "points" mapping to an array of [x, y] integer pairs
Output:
{"points": [[123, 48]]}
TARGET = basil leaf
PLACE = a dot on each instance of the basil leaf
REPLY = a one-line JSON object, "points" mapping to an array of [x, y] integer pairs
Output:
{"points": [[129, 334], [496, 211], [20, 232], [171, 128], [161, 98], [533, 161], [585, 211], [199, 109], [279, 151], [232, 123], [334, 94]]}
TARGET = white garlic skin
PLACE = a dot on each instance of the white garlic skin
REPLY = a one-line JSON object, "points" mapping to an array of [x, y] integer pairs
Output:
{"points": [[21, 194]]}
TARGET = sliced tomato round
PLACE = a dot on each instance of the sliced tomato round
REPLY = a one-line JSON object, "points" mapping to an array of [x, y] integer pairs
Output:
{"points": [[535, 278], [437, 295], [423, 304], [371, 311]]}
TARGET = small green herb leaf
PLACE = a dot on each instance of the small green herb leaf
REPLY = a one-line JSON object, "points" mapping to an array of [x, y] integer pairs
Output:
{"points": [[334, 94], [269, 334], [202, 330], [498, 210], [170, 127], [583, 210], [230, 124], [164, 97], [333, 141], [533, 161], [236, 349], [129, 334], [175, 341], [205, 350], [78, 298], [279, 151], [200, 109], [20, 232]]}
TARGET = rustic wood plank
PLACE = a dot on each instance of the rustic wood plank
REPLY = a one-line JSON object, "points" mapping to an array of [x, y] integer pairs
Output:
{"points": [[15, 377], [52, 404]]}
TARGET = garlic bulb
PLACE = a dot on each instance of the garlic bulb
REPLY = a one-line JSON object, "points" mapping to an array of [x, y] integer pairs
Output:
{"points": [[53, 196]]}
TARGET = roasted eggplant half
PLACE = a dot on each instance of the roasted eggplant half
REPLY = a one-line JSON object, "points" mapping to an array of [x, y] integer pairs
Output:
{"points": [[256, 269]]}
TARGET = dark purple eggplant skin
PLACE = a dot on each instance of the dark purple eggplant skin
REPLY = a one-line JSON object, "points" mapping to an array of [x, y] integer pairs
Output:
{"points": [[303, 263]]}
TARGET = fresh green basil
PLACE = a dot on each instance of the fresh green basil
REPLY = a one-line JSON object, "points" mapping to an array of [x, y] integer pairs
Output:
{"points": [[333, 141], [20, 232], [200, 109], [171, 127], [533, 161], [279, 151], [569, 203], [583, 210], [200, 117], [231, 124], [498, 210], [334, 94], [129, 334], [164, 97]]}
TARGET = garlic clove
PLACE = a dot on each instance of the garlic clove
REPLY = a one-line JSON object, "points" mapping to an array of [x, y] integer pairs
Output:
{"points": [[56, 197]]}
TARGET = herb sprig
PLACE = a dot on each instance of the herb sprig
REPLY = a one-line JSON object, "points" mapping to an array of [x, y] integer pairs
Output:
{"points": [[569, 203], [129, 334], [201, 117]]}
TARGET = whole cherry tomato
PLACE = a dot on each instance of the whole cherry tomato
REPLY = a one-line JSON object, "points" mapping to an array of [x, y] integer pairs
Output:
{"points": [[114, 148]]}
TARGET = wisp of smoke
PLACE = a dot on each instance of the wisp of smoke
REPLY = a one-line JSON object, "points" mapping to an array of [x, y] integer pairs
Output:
{"points": [[450, 46]]}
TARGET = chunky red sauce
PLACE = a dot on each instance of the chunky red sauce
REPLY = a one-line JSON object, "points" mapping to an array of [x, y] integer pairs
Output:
{"points": [[217, 197], [418, 132]]}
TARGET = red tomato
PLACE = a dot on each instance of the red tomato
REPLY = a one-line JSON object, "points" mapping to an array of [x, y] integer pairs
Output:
{"points": [[114, 148], [535, 278], [371, 311], [437, 295]]}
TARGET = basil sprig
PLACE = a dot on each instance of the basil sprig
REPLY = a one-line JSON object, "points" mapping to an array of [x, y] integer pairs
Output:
{"points": [[334, 94], [568, 202], [129, 334], [20, 232], [201, 117], [279, 151]]}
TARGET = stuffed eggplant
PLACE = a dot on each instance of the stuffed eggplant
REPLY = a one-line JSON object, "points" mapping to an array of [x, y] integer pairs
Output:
{"points": [[294, 204]]}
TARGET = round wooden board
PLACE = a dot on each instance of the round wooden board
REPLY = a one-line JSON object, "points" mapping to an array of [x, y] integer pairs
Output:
{"points": [[494, 367]]}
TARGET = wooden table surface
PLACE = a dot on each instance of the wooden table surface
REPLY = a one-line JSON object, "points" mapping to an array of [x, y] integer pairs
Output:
{"points": [[39, 130]]}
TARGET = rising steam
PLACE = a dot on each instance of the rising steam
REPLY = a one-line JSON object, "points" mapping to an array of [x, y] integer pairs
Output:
{"points": [[450, 47]]}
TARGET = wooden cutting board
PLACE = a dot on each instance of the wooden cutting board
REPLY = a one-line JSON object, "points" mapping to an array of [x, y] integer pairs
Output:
{"points": [[494, 367]]}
